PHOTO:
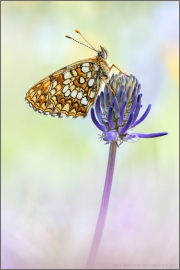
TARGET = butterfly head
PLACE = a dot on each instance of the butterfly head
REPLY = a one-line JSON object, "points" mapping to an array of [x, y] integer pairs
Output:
{"points": [[103, 53]]}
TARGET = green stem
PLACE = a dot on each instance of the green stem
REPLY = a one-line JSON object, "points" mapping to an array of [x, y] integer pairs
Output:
{"points": [[104, 207]]}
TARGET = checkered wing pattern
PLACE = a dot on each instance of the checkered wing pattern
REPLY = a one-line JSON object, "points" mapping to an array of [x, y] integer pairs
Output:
{"points": [[68, 92]]}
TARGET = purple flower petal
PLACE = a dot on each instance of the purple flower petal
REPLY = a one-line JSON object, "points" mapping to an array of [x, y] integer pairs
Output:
{"points": [[119, 93], [129, 93], [132, 135], [98, 125], [116, 107], [98, 110], [112, 103], [138, 89], [137, 109], [150, 135], [145, 114], [122, 110], [110, 118], [127, 125], [134, 103], [124, 95]]}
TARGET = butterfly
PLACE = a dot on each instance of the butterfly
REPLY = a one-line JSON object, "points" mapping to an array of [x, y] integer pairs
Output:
{"points": [[72, 90]]}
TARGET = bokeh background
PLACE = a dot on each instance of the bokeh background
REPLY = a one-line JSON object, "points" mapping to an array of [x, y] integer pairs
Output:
{"points": [[53, 170]]}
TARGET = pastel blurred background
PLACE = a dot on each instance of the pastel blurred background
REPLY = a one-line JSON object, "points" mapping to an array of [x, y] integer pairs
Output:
{"points": [[53, 169]]}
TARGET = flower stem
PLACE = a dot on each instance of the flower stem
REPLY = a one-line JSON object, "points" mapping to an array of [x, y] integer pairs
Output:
{"points": [[104, 206]]}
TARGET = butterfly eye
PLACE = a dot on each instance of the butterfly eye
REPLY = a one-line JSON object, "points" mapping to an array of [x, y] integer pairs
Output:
{"points": [[103, 53]]}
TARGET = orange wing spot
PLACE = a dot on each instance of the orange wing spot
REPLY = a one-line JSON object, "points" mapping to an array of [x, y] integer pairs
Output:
{"points": [[60, 100], [75, 106], [60, 80], [83, 86], [69, 101], [82, 109], [80, 73], [76, 83]]}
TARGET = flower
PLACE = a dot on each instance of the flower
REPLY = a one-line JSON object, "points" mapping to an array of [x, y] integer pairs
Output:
{"points": [[115, 114], [117, 108]]}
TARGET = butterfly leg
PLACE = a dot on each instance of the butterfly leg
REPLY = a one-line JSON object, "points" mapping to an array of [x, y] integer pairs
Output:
{"points": [[119, 70], [108, 86]]}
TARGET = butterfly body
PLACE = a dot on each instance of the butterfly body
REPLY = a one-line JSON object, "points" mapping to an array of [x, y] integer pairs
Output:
{"points": [[72, 90]]}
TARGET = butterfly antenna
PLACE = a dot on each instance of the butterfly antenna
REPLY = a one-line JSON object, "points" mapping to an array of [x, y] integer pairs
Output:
{"points": [[82, 43], [77, 31]]}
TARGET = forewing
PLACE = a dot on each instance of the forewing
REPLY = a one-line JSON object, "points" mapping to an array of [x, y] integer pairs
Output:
{"points": [[68, 92]]}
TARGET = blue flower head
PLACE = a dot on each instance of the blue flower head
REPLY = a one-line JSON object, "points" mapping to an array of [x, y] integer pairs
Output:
{"points": [[117, 109]]}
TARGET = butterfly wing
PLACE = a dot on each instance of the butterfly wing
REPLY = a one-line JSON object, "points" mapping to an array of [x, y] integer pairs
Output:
{"points": [[68, 92]]}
